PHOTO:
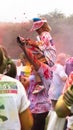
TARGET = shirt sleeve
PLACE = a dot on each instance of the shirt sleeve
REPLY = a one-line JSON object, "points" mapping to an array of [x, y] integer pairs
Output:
{"points": [[22, 101]]}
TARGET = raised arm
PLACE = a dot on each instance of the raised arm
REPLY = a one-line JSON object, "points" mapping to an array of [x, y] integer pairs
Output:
{"points": [[29, 55]]}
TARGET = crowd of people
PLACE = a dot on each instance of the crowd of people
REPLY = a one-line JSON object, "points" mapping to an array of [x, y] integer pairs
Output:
{"points": [[40, 82]]}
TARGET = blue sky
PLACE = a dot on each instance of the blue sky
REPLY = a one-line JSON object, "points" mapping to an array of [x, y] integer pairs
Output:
{"points": [[18, 10]]}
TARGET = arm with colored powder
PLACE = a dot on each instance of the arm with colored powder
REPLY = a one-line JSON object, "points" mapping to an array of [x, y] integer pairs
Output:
{"points": [[31, 57]]}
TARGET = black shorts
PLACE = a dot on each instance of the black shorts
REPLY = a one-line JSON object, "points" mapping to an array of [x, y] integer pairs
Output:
{"points": [[39, 121]]}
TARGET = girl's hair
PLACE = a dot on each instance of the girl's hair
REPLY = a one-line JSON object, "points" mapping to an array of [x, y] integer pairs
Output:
{"points": [[45, 27]]}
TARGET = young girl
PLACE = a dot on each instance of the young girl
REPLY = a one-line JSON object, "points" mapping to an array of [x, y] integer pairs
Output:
{"points": [[44, 40]]}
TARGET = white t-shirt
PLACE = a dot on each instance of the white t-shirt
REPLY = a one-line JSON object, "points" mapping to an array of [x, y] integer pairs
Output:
{"points": [[57, 84], [13, 100]]}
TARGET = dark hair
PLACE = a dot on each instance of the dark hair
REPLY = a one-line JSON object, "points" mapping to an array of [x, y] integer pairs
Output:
{"points": [[1, 57], [7, 66], [11, 68]]}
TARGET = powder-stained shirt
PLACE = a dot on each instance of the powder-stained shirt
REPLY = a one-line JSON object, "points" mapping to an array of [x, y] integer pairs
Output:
{"points": [[39, 101], [47, 46]]}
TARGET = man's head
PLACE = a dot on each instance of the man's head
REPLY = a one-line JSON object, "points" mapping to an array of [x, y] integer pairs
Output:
{"points": [[61, 58]]}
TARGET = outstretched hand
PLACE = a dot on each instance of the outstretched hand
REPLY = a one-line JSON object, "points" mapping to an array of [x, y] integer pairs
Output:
{"points": [[21, 40]]}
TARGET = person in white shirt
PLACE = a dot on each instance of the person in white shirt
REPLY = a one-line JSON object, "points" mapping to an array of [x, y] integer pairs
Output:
{"points": [[14, 104], [59, 79]]}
